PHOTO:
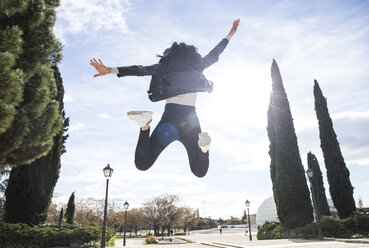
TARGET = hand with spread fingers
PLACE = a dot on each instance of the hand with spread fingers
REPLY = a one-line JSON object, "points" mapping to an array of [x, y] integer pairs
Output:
{"points": [[234, 27], [100, 67]]}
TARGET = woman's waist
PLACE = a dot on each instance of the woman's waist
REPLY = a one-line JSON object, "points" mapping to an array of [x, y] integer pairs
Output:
{"points": [[188, 99], [179, 109]]}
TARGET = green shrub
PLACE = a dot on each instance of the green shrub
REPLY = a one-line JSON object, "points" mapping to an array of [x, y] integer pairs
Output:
{"points": [[362, 223], [349, 224], [151, 239], [334, 228], [309, 231], [22, 235], [352, 227], [270, 230], [110, 236]]}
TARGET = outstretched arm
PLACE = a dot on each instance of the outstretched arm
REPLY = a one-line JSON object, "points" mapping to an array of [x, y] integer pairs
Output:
{"points": [[134, 70], [213, 55], [100, 67]]}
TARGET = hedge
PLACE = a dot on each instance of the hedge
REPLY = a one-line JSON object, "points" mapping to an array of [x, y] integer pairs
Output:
{"points": [[354, 226], [22, 235]]}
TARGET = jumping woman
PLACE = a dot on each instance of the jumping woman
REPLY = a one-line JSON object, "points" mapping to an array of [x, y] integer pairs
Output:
{"points": [[176, 79]]}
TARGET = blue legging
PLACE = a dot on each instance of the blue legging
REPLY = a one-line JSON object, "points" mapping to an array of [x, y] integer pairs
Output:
{"points": [[179, 122]]}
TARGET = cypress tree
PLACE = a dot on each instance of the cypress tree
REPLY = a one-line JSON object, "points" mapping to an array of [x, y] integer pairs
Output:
{"points": [[61, 215], [318, 185], [337, 173], [291, 193], [33, 185], [69, 213], [29, 117]]}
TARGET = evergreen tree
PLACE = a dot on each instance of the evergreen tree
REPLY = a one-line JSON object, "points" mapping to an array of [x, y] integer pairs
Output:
{"points": [[244, 216], [291, 193], [318, 185], [61, 215], [29, 116], [33, 185], [337, 173], [69, 213], [11, 80]]}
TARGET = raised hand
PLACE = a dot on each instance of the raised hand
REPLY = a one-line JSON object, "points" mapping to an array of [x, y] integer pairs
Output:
{"points": [[234, 27], [100, 67]]}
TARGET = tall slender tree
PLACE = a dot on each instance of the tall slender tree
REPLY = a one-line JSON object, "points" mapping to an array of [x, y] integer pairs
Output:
{"points": [[29, 116], [318, 185], [337, 173], [291, 193], [61, 217], [32, 185], [69, 213]]}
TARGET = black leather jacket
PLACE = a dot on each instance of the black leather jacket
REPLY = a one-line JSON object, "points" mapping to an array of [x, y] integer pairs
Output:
{"points": [[167, 82]]}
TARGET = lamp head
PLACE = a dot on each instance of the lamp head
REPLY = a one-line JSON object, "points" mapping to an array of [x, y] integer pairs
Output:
{"points": [[126, 205], [108, 171]]}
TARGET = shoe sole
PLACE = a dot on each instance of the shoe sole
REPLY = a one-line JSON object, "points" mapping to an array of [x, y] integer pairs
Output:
{"points": [[135, 113], [204, 142], [141, 117]]}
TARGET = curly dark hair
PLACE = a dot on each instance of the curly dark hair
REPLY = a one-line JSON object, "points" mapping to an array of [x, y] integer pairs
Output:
{"points": [[181, 57]]}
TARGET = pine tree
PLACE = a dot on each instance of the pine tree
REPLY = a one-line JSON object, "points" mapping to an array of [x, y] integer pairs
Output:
{"points": [[33, 185], [69, 213], [291, 193], [337, 173], [318, 185], [29, 117], [11, 81]]}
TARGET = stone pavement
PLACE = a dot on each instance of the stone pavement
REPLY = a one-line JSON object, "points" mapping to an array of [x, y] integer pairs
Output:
{"points": [[242, 241]]}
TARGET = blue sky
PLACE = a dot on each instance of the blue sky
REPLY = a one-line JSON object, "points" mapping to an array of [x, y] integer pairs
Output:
{"points": [[327, 41]]}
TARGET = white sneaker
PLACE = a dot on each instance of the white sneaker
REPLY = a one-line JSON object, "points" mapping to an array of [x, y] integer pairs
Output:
{"points": [[141, 117], [204, 142]]}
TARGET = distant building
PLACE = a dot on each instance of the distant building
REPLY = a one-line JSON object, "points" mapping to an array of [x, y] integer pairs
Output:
{"points": [[253, 219], [267, 211], [332, 209]]}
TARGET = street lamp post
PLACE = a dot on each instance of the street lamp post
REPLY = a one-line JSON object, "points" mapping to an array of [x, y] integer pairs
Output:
{"points": [[126, 205], [310, 175], [107, 173], [247, 203]]}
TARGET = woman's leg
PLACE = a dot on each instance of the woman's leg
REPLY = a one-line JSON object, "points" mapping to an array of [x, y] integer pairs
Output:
{"points": [[149, 148], [199, 161]]}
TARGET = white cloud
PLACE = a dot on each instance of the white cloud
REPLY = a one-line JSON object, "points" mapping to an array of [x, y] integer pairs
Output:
{"points": [[351, 115], [104, 116], [90, 16], [249, 167], [75, 127], [362, 162], [67, 98]]}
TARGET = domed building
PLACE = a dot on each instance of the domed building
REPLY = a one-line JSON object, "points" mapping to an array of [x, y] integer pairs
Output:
{"points": [[267, 211]]}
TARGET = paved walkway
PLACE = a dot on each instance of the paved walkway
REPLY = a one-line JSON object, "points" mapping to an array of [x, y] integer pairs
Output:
{"points": [[242, 241]]}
